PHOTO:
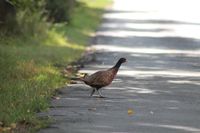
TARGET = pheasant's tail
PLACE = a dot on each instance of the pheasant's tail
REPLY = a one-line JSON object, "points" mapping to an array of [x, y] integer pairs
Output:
{"points": [[79, 78], [76, 78]]}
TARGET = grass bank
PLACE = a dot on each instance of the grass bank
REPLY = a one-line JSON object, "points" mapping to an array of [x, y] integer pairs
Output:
{"points": [[29, 75]]}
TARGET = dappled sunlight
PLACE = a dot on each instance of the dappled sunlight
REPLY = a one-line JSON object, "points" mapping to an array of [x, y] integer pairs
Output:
{"points": [[175, 127], [173, 101], [177, 8], [117, 80], [168, 73], [149, 27], [184, 82], [150, 73], [173, 108], [146, 19], [115, 48], [134, 90], [74, 46], [179, 31], [103, 126], [157, 83], [141, 90], [59, 40]]}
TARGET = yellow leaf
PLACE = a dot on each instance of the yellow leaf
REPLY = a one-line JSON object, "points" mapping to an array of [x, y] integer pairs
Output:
{"points": [[130, 112]]}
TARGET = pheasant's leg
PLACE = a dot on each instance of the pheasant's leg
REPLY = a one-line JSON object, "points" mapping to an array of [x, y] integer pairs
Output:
{"points": [[99, 92], [93, 90]]}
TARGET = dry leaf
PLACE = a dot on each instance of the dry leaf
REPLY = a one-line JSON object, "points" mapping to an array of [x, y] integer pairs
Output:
{"points": [[57, 98], [92, 109], [130, 112]]}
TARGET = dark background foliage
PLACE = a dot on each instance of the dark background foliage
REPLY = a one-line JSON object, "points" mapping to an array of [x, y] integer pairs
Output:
{"points": [[16, 13]]}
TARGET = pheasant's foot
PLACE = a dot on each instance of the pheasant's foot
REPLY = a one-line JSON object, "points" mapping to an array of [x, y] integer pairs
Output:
{"points": [[102, 96]]}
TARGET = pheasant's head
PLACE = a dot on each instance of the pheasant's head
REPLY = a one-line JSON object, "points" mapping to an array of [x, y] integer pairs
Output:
{"points": [[122, 60], [119, 62]]}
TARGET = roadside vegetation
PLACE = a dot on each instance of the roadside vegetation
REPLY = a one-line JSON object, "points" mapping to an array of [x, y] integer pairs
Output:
{"points": [[34, 47]]}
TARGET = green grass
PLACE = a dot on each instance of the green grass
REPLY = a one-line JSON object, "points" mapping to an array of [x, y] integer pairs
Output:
{"points": [[27, 64]]}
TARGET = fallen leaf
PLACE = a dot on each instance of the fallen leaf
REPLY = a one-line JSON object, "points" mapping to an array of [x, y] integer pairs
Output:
{"points": [[92, 109], [57, 98], [130, 112]]}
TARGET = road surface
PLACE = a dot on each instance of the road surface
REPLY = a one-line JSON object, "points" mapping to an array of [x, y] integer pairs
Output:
{"points": [[157, 91]]}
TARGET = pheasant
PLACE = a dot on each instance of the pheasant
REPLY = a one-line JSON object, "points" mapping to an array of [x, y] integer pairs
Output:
{"points": [[102, 78]]}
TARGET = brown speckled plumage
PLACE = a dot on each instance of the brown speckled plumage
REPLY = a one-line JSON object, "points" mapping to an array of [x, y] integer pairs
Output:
{"points": [[102, 78]]}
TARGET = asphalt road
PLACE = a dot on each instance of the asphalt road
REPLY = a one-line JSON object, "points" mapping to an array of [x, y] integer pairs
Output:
{"points": [[157, 91]]}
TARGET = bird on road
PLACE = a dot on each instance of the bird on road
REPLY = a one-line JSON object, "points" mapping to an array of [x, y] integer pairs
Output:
{"points": [[102, 78]]}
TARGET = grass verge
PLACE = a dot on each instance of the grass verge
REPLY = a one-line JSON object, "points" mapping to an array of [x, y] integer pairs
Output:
{"points": [[27, 65]]}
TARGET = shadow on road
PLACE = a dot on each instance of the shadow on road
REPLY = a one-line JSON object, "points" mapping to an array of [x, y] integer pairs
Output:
{"points": [[160, 82]]}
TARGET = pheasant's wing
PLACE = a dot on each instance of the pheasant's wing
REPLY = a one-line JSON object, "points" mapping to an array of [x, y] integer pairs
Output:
{"points": [[101, 78]]}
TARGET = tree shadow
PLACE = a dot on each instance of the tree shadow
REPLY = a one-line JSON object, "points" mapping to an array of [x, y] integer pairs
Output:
{"points": [[160, 84], [121, 11], [179, 43], [148, 21]]}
